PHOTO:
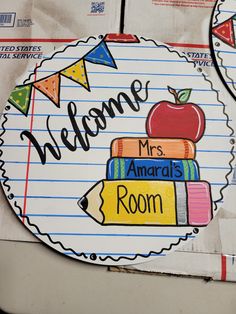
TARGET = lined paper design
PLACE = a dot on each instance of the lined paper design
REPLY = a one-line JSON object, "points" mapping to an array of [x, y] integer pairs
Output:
{"points": [[53, 189], [225, 54]]}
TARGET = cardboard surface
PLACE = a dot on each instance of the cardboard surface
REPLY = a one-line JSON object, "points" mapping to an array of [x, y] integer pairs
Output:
{"points": [[31, 29], [176, 29], [185, 24], [223, 43], [35, 280]]}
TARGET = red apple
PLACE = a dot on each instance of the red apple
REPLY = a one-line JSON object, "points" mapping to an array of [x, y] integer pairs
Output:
{"points": [[179, 120]]}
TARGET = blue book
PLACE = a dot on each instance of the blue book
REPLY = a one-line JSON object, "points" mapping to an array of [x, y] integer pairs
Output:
{"points": [[152, 169]]}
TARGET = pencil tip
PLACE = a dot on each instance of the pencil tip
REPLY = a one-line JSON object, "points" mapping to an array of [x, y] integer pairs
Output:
{"points": [[83, 203]]}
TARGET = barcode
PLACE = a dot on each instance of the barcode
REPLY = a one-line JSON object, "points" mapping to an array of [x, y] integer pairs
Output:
{"points": [[7, 19]]}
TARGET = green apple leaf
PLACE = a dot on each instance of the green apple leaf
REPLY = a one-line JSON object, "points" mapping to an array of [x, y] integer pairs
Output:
{"points": [[183, 95]]}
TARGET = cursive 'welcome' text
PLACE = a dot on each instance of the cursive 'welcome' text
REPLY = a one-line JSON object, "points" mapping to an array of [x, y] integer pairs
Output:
{"points": [[92, 123]]}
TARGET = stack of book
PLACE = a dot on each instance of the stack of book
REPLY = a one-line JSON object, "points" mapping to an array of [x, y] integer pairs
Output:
{"points": [[152, 159], [155, 180], [169, 165]]}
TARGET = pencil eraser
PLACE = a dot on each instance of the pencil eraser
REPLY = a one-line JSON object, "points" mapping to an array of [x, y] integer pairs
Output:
{"points": [[199, 203]]}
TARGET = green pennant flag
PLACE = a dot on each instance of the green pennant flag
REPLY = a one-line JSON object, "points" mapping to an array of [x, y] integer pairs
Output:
{"points": [[20, 98]]}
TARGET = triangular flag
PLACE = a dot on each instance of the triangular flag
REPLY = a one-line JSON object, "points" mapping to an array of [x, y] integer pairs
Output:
{"points": [[101, 55], [50, 87], [225, 32], [77, 73], [20, 98]]}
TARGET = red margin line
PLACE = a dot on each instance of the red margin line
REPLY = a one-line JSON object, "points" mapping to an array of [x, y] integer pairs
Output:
{"points": [[67, 40], [21, 52], [188, 45], [38, 40], [223, 268], [29, 152]]}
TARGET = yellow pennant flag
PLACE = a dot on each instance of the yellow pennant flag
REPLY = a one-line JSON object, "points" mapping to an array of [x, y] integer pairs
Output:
{"points": [[77, 73]]}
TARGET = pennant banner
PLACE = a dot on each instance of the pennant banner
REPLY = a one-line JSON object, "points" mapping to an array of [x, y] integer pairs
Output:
{"points": [[77, 73], [20, 98], [50, 87], [101, 55]]}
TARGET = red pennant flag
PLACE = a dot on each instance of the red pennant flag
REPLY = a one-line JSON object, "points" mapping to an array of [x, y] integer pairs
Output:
{"points": [[225, 32], [50, 87]]}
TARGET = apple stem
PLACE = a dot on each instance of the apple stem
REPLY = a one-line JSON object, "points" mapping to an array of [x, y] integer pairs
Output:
{"points": [[175, 94]]}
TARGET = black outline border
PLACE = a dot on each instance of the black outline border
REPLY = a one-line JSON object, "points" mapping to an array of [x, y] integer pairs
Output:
{"points": [[93, 256], [212, 50]]}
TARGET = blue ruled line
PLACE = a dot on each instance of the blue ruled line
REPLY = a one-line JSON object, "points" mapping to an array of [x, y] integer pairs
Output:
{"points": [[132, 73], [123, 45], [117, 117], [127, 87], [227, 11], [98, 101], [228, 66], [55, 163], [114, 235], [48, 180], [86, 164], [71, 180], [78, 197], [56, 215], [225, 51], [21, 146], [108, 132], [108, 148], [129, 59], [49, 197], [76, 181]]}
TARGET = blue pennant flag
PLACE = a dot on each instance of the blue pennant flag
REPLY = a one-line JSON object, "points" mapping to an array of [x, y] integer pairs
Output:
{"points": [[101, 55]]}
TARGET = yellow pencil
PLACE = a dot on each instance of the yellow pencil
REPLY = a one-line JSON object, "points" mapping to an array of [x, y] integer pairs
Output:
{"points": [[142, 202]]}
